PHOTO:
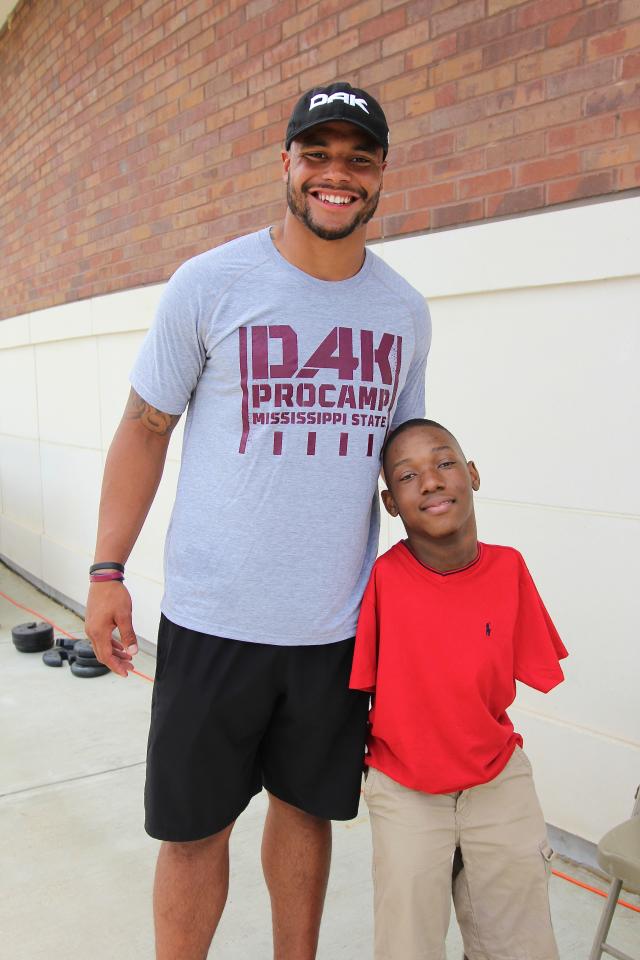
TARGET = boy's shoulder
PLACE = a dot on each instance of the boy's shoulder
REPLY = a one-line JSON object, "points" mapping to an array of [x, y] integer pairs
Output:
{"points": [[390, 558], [498, 559], [502, 552]]}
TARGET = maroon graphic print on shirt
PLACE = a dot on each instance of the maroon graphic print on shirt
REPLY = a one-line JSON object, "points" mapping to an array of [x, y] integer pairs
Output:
{"points": [[349, 380]]}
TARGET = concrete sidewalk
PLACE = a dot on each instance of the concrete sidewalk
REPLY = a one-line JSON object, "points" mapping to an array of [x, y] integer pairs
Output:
{"points": [[77, 866]]}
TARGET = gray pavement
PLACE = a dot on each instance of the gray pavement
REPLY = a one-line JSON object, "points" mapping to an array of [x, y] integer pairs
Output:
{"points": [[77, 866]]}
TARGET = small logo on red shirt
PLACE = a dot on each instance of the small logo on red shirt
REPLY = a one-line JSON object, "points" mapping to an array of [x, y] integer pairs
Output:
{"points": [[487, 629]]}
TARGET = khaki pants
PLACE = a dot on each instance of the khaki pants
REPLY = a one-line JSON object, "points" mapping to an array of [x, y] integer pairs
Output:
{"points": [[500, 897]]}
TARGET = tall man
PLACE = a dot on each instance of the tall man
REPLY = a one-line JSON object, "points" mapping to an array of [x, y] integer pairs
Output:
{"points": [[295, 350]]}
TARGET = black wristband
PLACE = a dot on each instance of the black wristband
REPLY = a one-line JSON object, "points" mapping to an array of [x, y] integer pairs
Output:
{"points": [[107, 565]]}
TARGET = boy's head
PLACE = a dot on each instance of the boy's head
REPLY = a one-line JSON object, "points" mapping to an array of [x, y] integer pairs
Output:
{"points": [[430, 483]]}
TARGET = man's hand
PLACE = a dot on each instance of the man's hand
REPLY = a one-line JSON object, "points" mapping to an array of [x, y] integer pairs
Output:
{"points": [[109, 609]]}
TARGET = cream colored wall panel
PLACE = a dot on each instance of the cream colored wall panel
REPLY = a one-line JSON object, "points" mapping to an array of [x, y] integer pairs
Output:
{"points": [[18, 394], [553, 247], [147, 556], [125, 311], [66, 568], [146, 596], [68, 396], [585, 782], [116, 354], [21, 484], [71, 480], [21, 545], [64, 322], [585, 567], [541, 387], [14, 332]]}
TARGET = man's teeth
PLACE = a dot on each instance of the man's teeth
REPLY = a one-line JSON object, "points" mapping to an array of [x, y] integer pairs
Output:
{"points": [[332, 198]]}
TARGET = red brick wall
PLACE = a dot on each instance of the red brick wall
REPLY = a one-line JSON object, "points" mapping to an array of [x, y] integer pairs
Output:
{"points": [[136, 134]]}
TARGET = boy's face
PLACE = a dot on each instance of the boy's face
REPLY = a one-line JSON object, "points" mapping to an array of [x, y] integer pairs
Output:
{"points": [[430, 484]]}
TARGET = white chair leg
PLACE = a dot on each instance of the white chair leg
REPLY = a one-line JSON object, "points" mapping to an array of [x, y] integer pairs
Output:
{"points": [[605, 920]]}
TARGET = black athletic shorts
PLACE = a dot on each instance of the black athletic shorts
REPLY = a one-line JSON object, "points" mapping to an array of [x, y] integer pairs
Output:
{"points": [[229, 717]]}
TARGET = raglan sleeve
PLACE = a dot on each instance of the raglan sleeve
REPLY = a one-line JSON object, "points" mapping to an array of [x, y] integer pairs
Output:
{"points": [[365, 654], [172, 356], [411, 401], [538, 648]]}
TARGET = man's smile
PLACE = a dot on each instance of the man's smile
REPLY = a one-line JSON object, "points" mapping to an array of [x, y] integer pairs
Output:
{"points": [[330, 198]]}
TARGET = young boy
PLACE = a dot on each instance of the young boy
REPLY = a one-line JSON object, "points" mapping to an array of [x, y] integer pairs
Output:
{"points": [[447, 626]]}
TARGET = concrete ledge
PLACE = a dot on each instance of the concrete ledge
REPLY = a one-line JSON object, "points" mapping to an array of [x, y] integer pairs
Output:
{"points": [[575, 849]]}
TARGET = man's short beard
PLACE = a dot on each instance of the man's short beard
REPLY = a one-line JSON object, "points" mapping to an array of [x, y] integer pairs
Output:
{"points": [[299, 207]]}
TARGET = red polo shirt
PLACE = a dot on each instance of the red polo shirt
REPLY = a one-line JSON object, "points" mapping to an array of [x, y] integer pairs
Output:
{"points": [[441, 654]]}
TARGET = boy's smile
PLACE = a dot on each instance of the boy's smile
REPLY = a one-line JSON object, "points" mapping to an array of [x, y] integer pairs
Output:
{"points": [[438, 506], [431, 488]]}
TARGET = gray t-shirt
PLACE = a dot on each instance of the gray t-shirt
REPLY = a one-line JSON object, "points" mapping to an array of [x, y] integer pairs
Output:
{"points": [[291, 382]]}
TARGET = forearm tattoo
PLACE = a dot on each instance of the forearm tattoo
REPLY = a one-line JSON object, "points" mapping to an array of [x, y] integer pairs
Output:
{"points": [[154, 420]]}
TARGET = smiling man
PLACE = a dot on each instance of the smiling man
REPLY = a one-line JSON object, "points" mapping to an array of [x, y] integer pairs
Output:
{"points": [[295, 350], [317, 120]]}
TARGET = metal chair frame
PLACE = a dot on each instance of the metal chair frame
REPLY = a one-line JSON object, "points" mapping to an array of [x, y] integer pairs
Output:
{"points": [[600, 944]]}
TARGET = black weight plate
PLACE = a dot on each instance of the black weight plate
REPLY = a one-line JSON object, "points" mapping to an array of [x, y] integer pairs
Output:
{"points": [[64, 653], [82, 648], [52, 658], [67, 642], [87, 661], [32, 637], [81, 671]]}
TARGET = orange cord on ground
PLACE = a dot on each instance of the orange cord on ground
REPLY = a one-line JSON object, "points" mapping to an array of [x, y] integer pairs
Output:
{"points": [[556, 873], [601, 893]]}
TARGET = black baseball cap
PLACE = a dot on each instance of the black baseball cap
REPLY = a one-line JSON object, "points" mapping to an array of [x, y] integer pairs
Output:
{"points": [[338, 101]]}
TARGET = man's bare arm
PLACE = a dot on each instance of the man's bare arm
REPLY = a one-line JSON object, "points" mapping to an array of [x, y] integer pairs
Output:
{"points": [[153, 419], [132, 474]]}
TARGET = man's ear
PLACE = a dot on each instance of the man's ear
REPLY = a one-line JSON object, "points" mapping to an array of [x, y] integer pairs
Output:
{"points": [[286, 163], [475, 476], [389, 503]]}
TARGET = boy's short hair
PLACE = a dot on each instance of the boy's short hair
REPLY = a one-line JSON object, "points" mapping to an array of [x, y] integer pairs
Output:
{"points": [[407, 425]]}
